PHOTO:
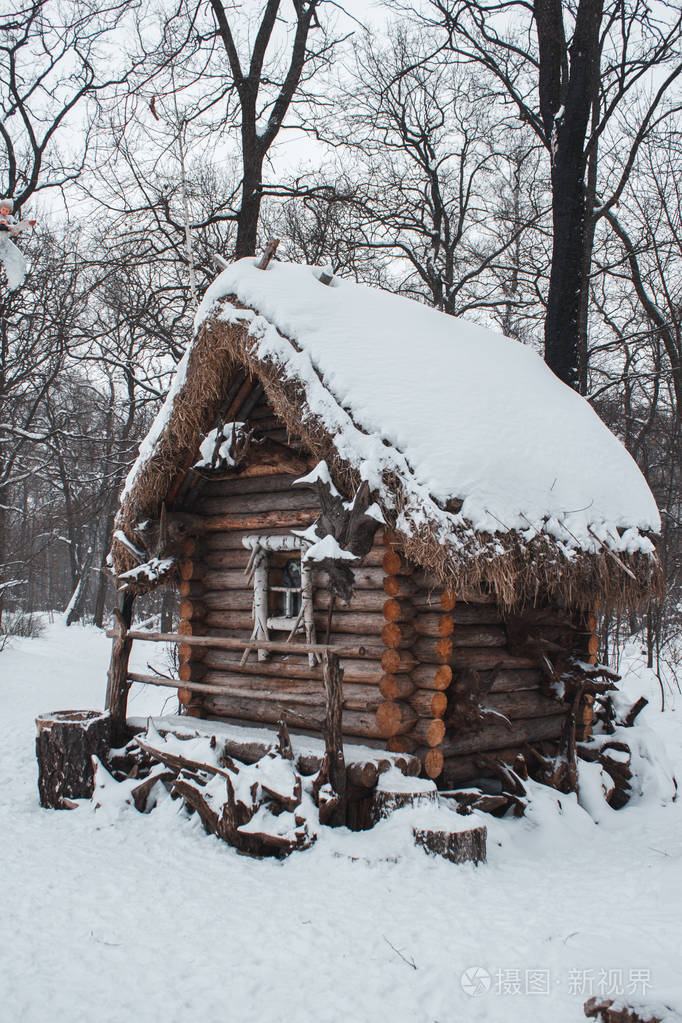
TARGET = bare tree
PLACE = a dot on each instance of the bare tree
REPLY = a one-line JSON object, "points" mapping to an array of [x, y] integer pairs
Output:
{"points": [[52, 61], [571, 71]]}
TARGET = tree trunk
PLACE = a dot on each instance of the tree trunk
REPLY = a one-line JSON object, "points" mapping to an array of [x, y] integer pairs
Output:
{"points": [[65, 743], [249, 213], [565, 104]]}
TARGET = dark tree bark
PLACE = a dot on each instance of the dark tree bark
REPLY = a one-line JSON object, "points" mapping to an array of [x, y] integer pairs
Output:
{"points": [[65, 744], [255, 142], [566, 93], [116, 701], [590, 58]]}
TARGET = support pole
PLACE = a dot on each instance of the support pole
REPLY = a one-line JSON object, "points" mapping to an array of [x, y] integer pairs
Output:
{"points": [[116, 701], [332, 674]]}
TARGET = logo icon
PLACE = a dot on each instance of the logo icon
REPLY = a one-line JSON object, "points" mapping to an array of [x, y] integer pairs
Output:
{"points": [[475, 981]]}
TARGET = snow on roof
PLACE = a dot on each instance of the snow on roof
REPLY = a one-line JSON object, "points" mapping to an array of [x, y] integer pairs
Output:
{"points": [[464, 413]]}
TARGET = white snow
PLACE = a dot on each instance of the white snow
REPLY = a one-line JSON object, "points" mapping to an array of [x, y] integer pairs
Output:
{"points": [[13, 261], [111, 917], [458, 411], [328, 548]]}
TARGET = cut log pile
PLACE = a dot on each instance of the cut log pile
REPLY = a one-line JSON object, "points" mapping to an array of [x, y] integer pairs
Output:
{"points": [[499, 789], [608, 1011], [271, 806]]}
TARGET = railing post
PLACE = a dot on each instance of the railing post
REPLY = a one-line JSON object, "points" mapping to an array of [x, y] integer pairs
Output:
{"points": [[116, 701], [332, 672]]}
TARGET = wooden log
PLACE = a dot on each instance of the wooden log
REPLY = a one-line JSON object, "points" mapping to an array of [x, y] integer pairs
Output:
{"points": [[394, 717], [187, 653], [525, 703], [335, 766], [428, 703], [192, 671], [192, 570], [431, 676], [233, 540], [394, 564], [191, 588], [501, 737], [228, 643], [361, 623], [116, 698], [308, 691], [354, 669], [434, 625], [188, 628], [492, 658], [459, 770], [462, 614], [185, 696], [397, 635], [397, 610], [433, 651], [252, 503], [510, 680], [363, 600], [465, 846], [401, 744], [264, 522], [428, 732], [396, 687], [271, 483], [253, 711], [395, 662], [66, 741], [192, 609], [400, 587], [433, 761]]}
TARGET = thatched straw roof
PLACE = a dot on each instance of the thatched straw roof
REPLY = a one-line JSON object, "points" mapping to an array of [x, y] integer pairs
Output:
{"points": [[492, 473]]}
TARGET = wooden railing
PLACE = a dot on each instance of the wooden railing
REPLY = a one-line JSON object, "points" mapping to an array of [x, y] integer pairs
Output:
{"points": [[120, 679]]}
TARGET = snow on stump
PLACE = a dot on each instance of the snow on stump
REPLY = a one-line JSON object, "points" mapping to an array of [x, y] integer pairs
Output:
{"points": [[395, 791], [66, 741], [463, 845]]}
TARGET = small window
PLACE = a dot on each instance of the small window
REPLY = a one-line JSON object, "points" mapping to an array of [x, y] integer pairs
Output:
{"points": [[282, 591], [285, 594]]}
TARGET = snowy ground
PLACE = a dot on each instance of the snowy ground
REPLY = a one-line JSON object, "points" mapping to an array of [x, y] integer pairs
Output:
{"points": [[146, 918]]}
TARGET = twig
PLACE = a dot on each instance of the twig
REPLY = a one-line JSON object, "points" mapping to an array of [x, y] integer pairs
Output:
{"points": [[410, 962]]}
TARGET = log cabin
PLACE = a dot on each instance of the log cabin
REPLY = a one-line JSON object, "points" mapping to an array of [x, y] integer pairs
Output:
{"points": [[338, 466]]}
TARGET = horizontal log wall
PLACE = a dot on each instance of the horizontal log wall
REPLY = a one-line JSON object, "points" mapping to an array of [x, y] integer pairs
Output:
{"points": [[217, 598], [457, 641]]}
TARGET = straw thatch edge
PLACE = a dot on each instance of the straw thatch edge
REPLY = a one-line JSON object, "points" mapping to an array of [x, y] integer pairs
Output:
{"points": [[517, 571]]}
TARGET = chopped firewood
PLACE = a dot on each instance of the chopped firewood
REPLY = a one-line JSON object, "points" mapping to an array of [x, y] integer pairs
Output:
{"points": [[607, 1011], [615, 759], [141, 793], [635, 709]]}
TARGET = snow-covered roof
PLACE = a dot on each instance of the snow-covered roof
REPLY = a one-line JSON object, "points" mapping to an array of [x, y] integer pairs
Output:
{"points": [[470, 443]]}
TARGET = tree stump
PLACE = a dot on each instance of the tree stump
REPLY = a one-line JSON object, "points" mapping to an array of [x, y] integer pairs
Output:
{"points": [[65, 742], [467, 845], [386, 800]]}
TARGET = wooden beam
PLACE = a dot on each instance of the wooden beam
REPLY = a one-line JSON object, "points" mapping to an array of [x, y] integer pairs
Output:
{"points": [[116, 699], [223, 643]]}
